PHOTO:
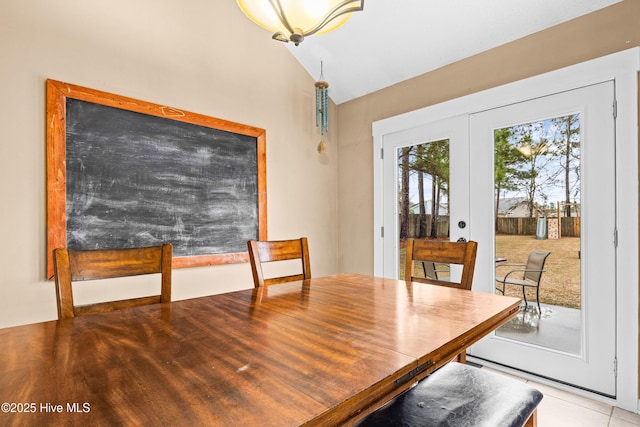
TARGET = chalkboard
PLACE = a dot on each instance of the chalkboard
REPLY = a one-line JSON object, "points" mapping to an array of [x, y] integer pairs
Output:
{"points": [[127, 173]]}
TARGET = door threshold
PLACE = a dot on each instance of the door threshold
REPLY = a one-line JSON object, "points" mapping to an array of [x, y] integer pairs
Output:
{"points": [[570, 388]]}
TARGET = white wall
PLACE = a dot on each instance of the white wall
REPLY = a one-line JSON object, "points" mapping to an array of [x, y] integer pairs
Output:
{"points": [[201, 56]]}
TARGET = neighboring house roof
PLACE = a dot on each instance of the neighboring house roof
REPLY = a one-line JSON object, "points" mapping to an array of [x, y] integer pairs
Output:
{"points": [[415, 208], [513, 206]]}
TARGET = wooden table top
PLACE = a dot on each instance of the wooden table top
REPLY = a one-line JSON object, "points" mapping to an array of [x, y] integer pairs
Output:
{"points": [[313, 353]]}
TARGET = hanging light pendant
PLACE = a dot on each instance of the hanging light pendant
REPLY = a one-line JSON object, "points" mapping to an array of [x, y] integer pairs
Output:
{"points": [[322, 109], [293, 20]]}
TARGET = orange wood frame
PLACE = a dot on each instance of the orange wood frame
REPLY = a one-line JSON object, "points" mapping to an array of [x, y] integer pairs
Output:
{"points": [[56, 135]]}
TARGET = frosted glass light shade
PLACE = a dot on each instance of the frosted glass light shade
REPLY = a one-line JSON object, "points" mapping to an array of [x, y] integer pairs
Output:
{"points": [[292, 20]]}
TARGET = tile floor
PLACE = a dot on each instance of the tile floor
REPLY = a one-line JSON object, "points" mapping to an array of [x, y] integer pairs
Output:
{"points": [[560, 408], [559, 328]]}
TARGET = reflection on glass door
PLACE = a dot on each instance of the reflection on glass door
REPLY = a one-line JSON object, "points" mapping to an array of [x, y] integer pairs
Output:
{"points": [[423, 195], [537, 229]]}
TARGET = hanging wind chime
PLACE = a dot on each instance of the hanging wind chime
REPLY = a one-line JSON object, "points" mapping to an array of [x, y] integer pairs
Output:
{"points": [[322, 109]]}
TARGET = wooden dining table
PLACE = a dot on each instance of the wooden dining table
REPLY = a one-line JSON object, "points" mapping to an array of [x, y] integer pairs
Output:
{"points": [[318, 352]]}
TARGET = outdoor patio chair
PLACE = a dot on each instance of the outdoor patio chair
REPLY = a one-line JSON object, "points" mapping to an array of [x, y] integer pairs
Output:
{"points": [[432, 271], [531, 274]]}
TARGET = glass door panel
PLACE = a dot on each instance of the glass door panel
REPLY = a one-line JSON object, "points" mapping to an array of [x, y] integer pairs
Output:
{"points": [[423, 192], [550, 188], [537, 199]]}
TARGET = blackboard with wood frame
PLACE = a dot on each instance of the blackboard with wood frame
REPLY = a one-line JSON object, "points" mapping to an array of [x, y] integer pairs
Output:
{"points": [[127, 173]]}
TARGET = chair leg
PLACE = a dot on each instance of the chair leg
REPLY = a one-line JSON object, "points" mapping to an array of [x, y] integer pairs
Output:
{"points": [[538, 299], [533, 419], [524, 296]]}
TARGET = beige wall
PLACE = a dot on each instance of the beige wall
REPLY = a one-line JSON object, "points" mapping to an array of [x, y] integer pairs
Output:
{"points": [[206, 57], [603, 32], [202, 56]]}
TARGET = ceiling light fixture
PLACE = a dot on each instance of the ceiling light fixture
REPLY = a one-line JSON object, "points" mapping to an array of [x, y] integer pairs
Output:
{"points": [[293, 20]]}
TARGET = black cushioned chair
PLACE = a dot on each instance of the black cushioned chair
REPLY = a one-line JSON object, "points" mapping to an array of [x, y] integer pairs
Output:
{"points": [[459, 395]]}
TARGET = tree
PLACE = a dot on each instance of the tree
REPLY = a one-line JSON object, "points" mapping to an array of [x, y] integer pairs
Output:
{"points": [[404, 154], [535, 158], [423, 159], [433, 160], [535, 176], [567, 146], [422, 210], [506, 168]]}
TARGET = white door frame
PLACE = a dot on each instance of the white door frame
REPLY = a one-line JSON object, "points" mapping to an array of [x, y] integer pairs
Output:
{"points": [[623, 68], [456, 131]]}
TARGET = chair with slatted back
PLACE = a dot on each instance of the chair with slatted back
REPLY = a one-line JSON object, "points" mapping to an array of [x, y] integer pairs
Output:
{"points": [[433, 253], [78, 265], [264, 251], [430, 252]]}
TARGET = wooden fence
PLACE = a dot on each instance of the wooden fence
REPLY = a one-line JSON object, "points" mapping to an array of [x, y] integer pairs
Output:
{"points": [[414, 226], [570, 227]]}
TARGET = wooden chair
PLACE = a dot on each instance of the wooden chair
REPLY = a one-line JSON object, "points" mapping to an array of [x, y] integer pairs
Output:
{"points": [[77, 265], [278, 250], [431, 253]]}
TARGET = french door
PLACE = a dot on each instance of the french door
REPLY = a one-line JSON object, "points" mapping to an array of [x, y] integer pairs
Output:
{"points": [[401, 151], [469, 203], [565, 146]]}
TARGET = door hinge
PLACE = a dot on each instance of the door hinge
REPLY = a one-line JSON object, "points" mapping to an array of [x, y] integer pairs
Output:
{"points": [[615, 367], [615, 238], [382, 232], [615, 108], [382, 153]]}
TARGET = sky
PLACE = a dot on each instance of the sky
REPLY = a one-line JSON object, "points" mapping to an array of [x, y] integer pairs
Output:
{"points": [[549, 166]]}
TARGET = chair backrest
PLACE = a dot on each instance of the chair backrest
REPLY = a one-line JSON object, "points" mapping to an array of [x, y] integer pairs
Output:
{"points": [[77, 265], [459, 253], [535, 265], [263, 251]]}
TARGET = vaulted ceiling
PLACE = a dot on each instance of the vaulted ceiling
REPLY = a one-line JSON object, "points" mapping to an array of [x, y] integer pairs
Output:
{"points": [[394, 40]]}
